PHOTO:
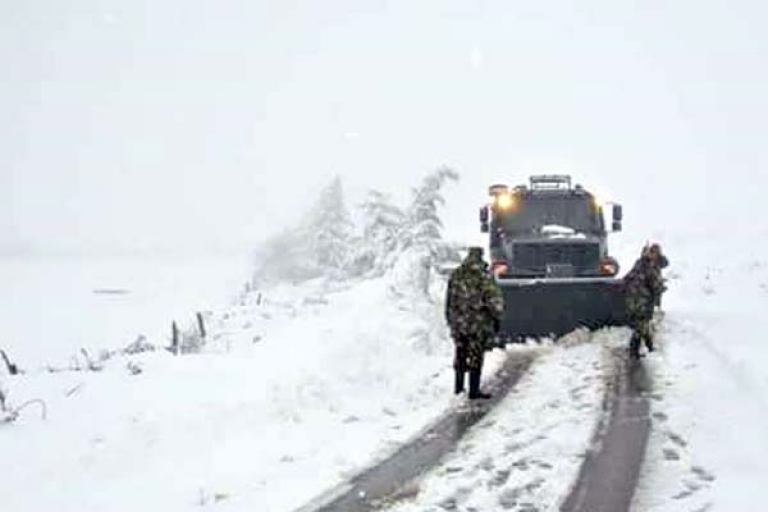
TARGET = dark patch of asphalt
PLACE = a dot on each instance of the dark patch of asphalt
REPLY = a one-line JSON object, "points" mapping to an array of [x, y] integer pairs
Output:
{"points": [[389, 480], [609, 474]]}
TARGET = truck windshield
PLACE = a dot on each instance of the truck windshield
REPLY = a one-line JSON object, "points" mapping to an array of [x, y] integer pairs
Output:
{"points": [[532, 213]]}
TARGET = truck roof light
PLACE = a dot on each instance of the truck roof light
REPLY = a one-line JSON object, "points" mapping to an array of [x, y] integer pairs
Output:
{"points": [[551, 182]]}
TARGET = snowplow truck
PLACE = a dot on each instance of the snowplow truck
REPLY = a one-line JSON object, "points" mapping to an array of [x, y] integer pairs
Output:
{"points": [[549, 253]]}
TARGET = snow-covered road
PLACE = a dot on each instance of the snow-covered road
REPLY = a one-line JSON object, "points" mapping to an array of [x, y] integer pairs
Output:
{"points": [[391, 478], [527, 453]]}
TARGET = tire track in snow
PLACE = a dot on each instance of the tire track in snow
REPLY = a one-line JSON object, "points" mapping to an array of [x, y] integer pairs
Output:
{"points": [[525, 455], [610, 472], [389, 478]]}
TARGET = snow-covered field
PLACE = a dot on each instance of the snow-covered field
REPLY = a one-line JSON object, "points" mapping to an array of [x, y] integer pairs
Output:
{"points": [[298, 387], [54, 306]]}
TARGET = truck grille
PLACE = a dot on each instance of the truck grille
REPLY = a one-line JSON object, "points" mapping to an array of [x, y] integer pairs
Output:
{"points": [[537, 256]]}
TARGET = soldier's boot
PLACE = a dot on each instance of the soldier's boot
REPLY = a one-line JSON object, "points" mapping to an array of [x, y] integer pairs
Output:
{"points": [[649, 344], [459, 382], [474, 386], [634, 346]]}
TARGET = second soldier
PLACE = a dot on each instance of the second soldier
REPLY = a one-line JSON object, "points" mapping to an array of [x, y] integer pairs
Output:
{"points": [[644, 287]]}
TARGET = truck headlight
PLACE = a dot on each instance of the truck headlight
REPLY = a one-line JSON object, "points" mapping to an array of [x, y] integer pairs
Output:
{"points": [[499, 267], [504, 201], [609, 266]]}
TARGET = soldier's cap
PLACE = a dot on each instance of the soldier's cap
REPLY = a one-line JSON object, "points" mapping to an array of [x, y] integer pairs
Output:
{"points": [[475, 252], [649, 247], [653, 250]]}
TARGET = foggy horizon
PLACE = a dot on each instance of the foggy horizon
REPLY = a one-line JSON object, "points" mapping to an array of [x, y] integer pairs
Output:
{"points": [[131, 126]]}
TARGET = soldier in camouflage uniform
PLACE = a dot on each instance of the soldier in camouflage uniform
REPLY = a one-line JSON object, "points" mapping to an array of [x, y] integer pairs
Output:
{"points": [[644, 287], [660, 262], [473, 309]]}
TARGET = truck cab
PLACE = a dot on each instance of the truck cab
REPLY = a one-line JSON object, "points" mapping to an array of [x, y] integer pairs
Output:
{"points": [[548, 229]]}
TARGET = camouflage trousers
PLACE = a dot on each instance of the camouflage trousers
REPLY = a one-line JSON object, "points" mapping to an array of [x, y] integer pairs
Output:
{"points": [[642, 332], [470, 352]]}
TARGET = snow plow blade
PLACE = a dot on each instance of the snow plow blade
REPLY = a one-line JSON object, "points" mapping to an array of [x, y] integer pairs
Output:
{"points": [[553, 307]]}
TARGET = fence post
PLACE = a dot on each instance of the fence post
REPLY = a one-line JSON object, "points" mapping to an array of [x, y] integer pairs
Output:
{"points": [[12, 368], [201, 325], [175, 338]]}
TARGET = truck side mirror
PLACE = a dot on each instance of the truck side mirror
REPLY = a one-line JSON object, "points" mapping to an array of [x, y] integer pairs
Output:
{"points": [[484, 228], [618, 214]]}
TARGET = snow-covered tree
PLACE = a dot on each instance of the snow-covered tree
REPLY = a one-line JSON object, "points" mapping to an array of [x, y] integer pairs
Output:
{"points": [[423, 226], [420, 243], [382, 223], [325, 243], [319, 246], [330, 229]]}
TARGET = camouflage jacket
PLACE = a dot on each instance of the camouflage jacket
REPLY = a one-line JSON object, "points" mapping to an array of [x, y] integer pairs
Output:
{"points": [[644, 284], [474, 302]]}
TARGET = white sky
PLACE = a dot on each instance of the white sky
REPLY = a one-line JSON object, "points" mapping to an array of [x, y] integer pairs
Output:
{"points": [[141, 123]]}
